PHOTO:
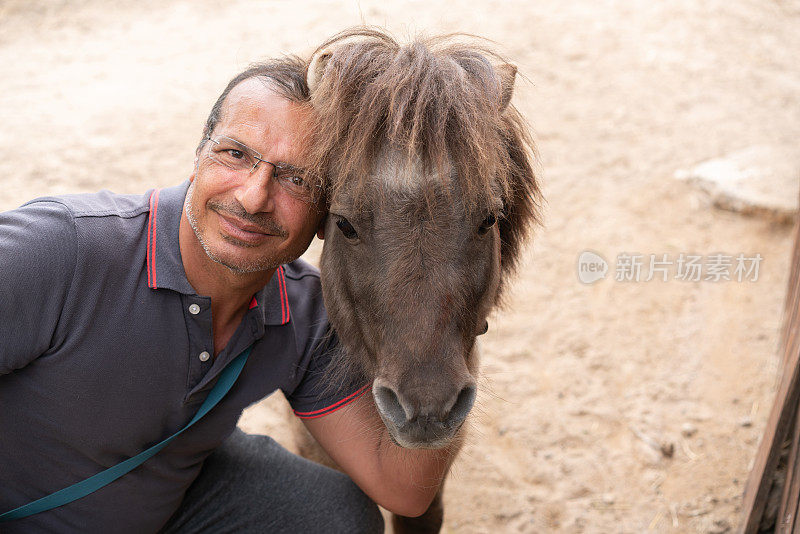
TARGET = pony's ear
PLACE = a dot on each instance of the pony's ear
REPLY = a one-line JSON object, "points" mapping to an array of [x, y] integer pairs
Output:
{"points": [[506, 72], [316, 68]]}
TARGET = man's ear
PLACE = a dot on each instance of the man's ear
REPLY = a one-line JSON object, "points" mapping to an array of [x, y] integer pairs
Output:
{"points": [[321, 228], [194, 170]]}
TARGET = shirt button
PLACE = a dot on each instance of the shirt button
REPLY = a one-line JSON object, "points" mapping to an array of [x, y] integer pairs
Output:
{"points": [[194, 309], [204, 356]]}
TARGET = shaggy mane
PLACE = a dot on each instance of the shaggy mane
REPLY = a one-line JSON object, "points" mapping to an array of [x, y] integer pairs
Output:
{"points": [[437, 99]]}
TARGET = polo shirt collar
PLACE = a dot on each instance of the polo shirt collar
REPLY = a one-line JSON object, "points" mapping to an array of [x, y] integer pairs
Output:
{"points": [[273, 300], [165, 267]]}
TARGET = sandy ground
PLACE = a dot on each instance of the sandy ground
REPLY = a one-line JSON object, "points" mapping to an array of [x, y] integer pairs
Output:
{"points": [[576, 379]]}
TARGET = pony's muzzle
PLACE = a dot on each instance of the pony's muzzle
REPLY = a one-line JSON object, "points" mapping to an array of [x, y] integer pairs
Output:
{"points": [[422, 424]]}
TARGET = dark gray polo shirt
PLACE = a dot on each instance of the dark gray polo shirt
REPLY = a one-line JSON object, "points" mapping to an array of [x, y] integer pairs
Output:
{"points": [[104, 352]]}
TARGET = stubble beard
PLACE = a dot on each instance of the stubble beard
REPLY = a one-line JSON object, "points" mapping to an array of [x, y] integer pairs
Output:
{"points": [[253, 266]]}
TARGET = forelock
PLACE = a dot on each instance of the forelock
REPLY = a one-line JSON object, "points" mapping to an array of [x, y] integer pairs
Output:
{"points": [[434, 99]]}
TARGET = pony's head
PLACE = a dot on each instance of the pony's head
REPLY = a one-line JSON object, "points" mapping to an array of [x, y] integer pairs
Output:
{"points": [[429, 175]]}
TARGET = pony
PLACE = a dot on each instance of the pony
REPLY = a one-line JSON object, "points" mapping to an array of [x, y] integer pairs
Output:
{"points": [[429, 175]]}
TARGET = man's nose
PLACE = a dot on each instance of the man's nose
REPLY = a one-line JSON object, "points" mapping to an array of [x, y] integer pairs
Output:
{"points": [[255, 192]]}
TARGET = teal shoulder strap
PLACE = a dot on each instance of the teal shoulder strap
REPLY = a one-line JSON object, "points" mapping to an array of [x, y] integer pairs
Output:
{"points": [[83, 488]]}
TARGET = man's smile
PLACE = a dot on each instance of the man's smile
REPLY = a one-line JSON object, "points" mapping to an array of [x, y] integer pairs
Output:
{"points": [[248, 234], [242, 229]]}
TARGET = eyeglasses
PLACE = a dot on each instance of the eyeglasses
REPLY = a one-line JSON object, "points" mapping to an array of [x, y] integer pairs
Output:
{"points": [[241, 158]]}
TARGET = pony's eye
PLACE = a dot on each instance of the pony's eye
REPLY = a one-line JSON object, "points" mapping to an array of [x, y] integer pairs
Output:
{"points": [[487, 223], [347, 228]]}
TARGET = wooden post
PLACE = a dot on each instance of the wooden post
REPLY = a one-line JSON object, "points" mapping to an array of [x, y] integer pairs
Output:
{"points": [[781, 425]]}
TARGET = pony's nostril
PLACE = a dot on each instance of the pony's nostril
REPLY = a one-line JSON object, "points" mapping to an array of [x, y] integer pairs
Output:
{"points": [[462, 406], [389, 405]]}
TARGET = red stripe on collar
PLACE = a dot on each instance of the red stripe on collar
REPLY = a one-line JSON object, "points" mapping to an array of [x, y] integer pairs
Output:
{"points": [[151, 240], [253, 303], [284, 296]]}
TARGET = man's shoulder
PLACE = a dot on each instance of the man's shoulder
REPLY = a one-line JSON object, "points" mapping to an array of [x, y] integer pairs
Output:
{"points": [[100, 204], [102, 227]]}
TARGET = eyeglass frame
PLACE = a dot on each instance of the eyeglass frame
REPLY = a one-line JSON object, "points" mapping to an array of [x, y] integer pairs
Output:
{"points": [[255, 155], [285, 167]]}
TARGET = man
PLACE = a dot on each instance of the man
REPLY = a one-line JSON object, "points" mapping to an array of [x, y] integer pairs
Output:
{"points": [[118, 313]]}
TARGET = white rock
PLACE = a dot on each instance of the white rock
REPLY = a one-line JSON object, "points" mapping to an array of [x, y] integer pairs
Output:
{"points": [[761, 180]]}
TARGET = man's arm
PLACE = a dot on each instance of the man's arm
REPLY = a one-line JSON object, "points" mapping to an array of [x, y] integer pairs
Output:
{"points": [[37, 260], [403, 481]]}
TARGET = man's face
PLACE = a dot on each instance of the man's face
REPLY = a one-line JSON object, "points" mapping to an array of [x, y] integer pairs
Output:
{"points": [[245, 220]]}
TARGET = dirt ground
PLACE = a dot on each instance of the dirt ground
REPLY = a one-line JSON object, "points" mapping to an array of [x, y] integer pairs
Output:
{"points": [[581, 384]]}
